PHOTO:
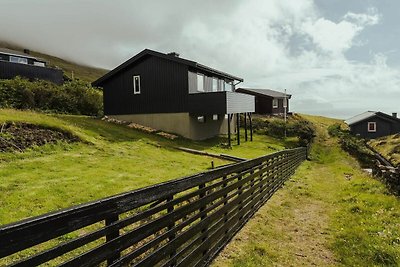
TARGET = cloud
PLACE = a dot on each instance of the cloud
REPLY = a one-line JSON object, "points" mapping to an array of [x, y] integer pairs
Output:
{"points": [[271, 44]]}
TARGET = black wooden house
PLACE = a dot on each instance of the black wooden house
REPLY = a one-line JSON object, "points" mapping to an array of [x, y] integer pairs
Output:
{"points": [[372, 124], [14, 63], [169, 93], [268, 101]]}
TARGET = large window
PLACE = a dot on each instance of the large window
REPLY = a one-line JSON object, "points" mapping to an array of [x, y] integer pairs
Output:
{"points": [[200, 82], [371, 127], [214, 84], [136, 84], [20, 60], [229, 86], [221, 85], [275, 103]]}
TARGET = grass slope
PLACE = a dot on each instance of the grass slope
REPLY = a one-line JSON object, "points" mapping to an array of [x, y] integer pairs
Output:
{"points": [[111, 159], [389, 147], [82, 72], [330, 213]]}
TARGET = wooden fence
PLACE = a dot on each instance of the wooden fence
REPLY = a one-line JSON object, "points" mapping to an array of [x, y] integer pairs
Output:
{"points": [[183, 222]]}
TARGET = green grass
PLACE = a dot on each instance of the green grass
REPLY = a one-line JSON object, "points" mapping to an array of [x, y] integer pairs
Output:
{"points": [[110, 160], [330, 213], [389, 147]]}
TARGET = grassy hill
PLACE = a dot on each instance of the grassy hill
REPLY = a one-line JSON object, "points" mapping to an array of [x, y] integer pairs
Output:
{"points": [[82, 72], [389, 147], [110, 159]]}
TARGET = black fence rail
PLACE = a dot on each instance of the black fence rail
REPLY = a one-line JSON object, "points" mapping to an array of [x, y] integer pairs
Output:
{"points": [[183, 222]]}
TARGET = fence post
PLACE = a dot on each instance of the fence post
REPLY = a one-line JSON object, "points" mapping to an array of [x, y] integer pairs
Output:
{"points": [[171, 226], [202, 217], [111, 236]]}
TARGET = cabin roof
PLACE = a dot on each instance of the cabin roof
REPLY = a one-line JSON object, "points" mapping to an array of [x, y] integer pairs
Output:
{"points": [[263, 92], [174, 58], [369, 114]]}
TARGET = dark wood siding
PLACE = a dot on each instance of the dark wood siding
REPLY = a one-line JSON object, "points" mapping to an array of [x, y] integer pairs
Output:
{"points": [[164, 88], [9, 70], [263, 105], [383, 128], [207, 103]]}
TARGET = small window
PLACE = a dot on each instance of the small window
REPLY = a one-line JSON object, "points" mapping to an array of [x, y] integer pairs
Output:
{"points": [[215, 117], [200, 82], [275, 103], [38, 63], [201, 119], [136, 84], [371, 127], [20, 60], [285, 101]]}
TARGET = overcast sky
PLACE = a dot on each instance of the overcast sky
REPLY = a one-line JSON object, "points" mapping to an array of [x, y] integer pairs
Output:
{"points": [[336, 57]]}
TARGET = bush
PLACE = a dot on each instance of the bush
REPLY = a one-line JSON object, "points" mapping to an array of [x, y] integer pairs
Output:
{"points": [[296, 127], [73, 97], [354, 145]]}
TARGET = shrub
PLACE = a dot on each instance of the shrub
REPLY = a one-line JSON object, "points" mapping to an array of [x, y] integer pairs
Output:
{"points": [[297, 127], [74, 97], [354, 145]]}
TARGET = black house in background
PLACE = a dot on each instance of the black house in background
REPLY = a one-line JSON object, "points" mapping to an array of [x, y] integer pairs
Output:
{"points": [[169, 93], [372, 124], [14, 63], [268, 101]]}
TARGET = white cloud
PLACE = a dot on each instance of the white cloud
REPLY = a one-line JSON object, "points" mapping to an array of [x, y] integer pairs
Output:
{"points": [[272, 44]]}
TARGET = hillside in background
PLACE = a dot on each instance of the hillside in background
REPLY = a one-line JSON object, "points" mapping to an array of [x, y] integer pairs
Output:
{"points": [[82, 72]]}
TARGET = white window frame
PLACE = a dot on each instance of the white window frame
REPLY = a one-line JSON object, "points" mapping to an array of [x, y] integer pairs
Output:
{"points": [[215, 117], [371, 123], [136, 91], [275, 103]]}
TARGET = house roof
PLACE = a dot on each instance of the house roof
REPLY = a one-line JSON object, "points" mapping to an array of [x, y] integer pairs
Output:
{"points": [[263, 92], [369, 114], [17, 53], [174, 58]]}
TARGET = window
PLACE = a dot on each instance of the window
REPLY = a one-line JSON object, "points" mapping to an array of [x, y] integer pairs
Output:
{"points": [[38, 63], [200, 82], [20, 60], [274, 103], [285, 101], [221, 85], [214, 84], [371, 127], [228, 86], [201, 119], [136, 84], [215, 117]]}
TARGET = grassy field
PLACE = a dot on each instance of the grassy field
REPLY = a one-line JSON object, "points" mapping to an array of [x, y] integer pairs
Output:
{"points": [[330, 213], [389, 147], [111, 159]]}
